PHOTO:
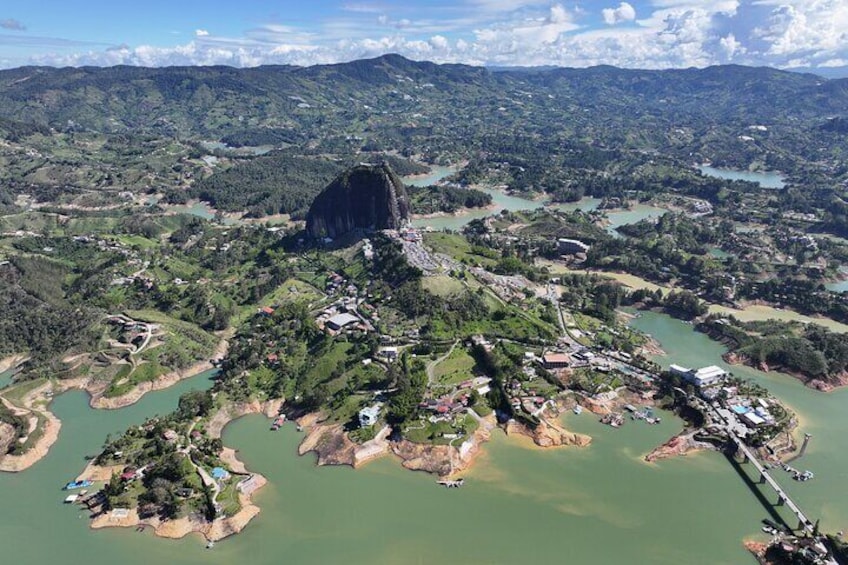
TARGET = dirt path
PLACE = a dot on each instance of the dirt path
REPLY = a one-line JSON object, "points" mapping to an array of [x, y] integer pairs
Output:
{"points": [[431, 367]]}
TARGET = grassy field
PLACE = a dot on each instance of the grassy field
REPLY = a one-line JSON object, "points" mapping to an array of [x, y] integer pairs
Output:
{"points": [[324, 366], [228, 497], [136, 241], [442, 285], [456, 368], [294, 290], [434, 433], [457, 247], [16, 393]]}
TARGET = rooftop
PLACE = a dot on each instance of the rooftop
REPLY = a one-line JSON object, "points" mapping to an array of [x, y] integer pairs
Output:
{"points": [[342, 320]]}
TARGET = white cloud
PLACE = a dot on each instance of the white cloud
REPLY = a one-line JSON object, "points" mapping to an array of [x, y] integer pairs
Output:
{"points": [[505, 5], [831, 63], [624, 13], [805, 27], [665, 33], [731, 46], [363, 8], [439, 42], [529, 33]]}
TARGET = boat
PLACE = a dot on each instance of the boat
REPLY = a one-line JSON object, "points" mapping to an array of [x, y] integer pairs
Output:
{"points": [[614, 419], [805, 476], [210, 544], [771, 523], [78, 484], [278, 422], [577, 409], [71, 498]]}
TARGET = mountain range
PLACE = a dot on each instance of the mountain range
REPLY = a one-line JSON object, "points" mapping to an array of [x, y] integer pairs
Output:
{"points": [[217, 101]]}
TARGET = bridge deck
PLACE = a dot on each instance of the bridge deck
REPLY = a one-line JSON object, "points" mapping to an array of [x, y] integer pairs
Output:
{"points": [[771, 482]]}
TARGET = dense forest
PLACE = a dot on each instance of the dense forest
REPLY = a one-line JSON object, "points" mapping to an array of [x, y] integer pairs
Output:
{"points": [[448, 199], [35, 317], [811, 351]]}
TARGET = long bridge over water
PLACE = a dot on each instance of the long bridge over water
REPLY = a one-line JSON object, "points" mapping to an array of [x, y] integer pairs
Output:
{"points": [[748, 456], [782, 498]]}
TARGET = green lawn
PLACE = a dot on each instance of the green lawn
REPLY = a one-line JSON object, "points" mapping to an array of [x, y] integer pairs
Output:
{"points": [[228, 497], [456, 368], [433, 433], [456, 246], [136, 241], [442, 285], [303, 292], [16, 393], [330, 361]]}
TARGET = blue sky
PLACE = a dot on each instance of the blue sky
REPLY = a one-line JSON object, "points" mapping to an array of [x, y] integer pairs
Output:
{"points": [[637, 33]]}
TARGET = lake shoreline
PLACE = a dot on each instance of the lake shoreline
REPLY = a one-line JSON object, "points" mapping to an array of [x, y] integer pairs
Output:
{"points": [[457, 214], [214, 530], [44, 394], [733, 358], [332, 446], [12, 362]]}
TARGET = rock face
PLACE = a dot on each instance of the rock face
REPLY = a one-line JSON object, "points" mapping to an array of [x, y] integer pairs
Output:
{"points": [[363, 197]]}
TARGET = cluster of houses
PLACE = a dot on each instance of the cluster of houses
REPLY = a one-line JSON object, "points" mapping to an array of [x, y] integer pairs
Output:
{"points": [[349, 311], [700, 208], [410, 234], [533, 398], [131, 331], [507, 287], [742, 413], [132, 260], [416, 254], [449, 405]]}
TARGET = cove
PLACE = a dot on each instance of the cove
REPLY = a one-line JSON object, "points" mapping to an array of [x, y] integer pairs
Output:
{"points": [[36, 527], [766, 179], [503, 201], [601, 504]]}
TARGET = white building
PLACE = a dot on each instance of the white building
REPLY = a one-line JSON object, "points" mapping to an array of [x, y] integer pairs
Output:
{"points": [[389, 353], [571, 246], [703, 377], [339, 321], [368, 416]]}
